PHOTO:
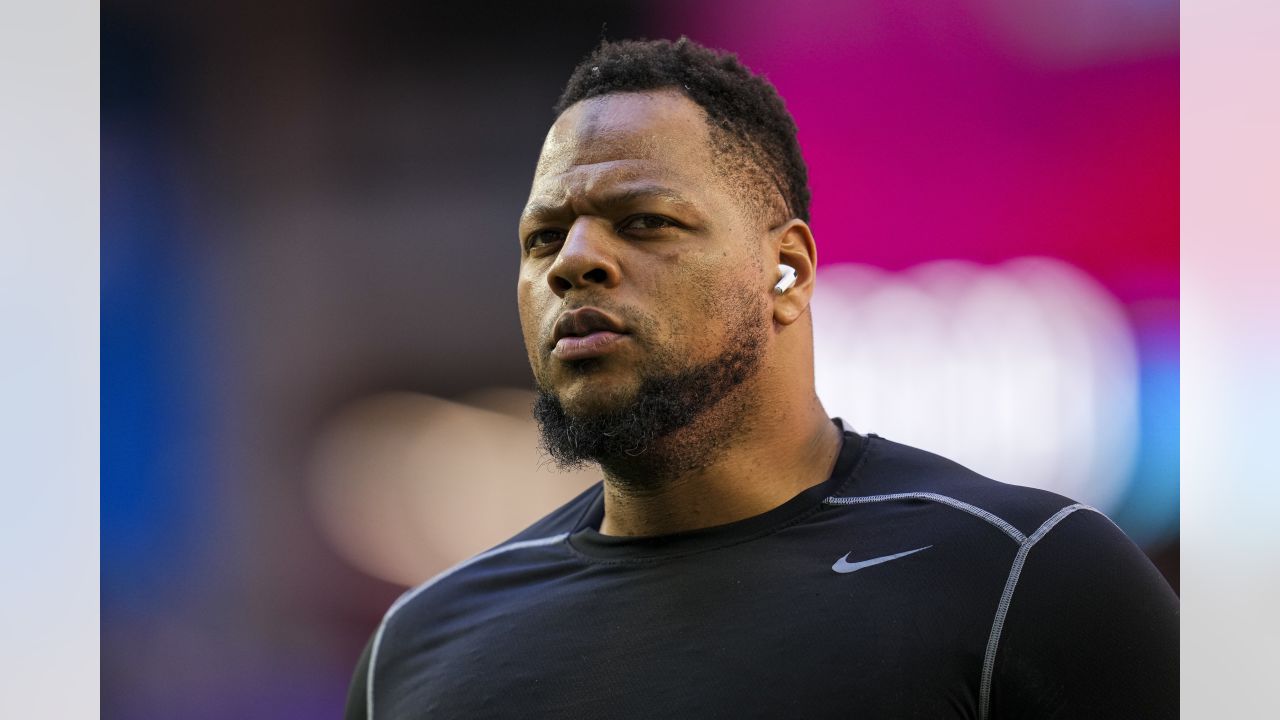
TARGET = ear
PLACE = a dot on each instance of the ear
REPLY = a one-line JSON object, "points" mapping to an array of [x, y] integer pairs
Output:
{"points": [[794, 246]]}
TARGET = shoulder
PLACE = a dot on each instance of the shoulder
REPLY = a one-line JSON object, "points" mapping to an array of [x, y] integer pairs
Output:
{"points": [[1085, 626], [1061, 530], [438, 608], [892, 470]]}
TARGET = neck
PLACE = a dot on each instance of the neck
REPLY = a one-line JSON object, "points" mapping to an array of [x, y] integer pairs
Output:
{"points": [[720, 470]]}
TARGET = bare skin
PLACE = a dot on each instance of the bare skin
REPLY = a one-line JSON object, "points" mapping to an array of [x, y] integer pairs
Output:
{"points": [[628, 215]]}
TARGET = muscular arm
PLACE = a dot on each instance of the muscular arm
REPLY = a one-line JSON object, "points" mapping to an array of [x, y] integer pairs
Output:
{"points": [[1091, 630]]}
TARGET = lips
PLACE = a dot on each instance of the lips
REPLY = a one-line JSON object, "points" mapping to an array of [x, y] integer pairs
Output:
{"points": [[586, 332]]}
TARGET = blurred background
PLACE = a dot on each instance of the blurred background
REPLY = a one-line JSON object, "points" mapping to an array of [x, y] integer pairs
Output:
{"points": [[314, 390]]}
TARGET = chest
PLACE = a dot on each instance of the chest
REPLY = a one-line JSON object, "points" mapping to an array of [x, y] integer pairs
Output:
{"points": [[787, 635]]}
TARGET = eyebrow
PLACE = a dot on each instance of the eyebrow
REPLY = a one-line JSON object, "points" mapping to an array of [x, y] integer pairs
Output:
{"points": [[610, 200]]}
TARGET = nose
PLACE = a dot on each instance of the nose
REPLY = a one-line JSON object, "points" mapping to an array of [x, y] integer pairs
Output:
{"points": [[585, 259]]}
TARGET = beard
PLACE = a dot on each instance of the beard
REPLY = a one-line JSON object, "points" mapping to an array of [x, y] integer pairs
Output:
{"points": [[637, 440]]}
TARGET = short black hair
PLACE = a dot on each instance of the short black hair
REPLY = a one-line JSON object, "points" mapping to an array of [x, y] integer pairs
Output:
{"points": [[749, 121]]}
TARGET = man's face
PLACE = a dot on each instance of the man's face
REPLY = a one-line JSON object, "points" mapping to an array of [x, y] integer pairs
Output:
{"points": [[638, 259]]}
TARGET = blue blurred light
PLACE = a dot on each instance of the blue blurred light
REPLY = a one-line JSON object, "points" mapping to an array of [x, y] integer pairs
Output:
{"points": [[150, 392], [1149, 512]]}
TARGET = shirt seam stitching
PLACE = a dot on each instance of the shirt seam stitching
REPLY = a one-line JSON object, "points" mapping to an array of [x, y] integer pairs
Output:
{"points": [[1006, 598], [412, 593], [946, 500]]}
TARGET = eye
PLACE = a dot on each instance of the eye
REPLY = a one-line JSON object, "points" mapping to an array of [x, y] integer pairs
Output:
{"points": [[542, 238], [645, 222]]}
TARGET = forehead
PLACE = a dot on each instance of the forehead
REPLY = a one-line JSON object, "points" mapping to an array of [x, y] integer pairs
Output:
{"points": [[659, 135]]}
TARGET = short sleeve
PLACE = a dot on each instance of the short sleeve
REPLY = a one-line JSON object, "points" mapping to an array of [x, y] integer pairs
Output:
{"points": [[1091, 630]]}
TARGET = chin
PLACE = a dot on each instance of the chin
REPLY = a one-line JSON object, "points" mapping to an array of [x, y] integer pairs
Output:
{"points": [[589, 395]]}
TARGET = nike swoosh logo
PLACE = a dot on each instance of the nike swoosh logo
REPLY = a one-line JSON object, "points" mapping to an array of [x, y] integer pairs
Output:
{"points": [[844, 566]]}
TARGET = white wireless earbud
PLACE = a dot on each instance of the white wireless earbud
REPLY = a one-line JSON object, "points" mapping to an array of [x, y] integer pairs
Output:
{"points": [[788, 279]]}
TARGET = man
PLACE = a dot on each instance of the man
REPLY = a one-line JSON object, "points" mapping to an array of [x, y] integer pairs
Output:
{"points": [[745, 555]]}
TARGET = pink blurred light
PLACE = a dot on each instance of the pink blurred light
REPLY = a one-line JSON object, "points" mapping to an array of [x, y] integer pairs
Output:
{"points": [[978, 130]]}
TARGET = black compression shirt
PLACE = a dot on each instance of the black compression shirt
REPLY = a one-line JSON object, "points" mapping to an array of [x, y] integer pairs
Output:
{"points": [[905, 586]]}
